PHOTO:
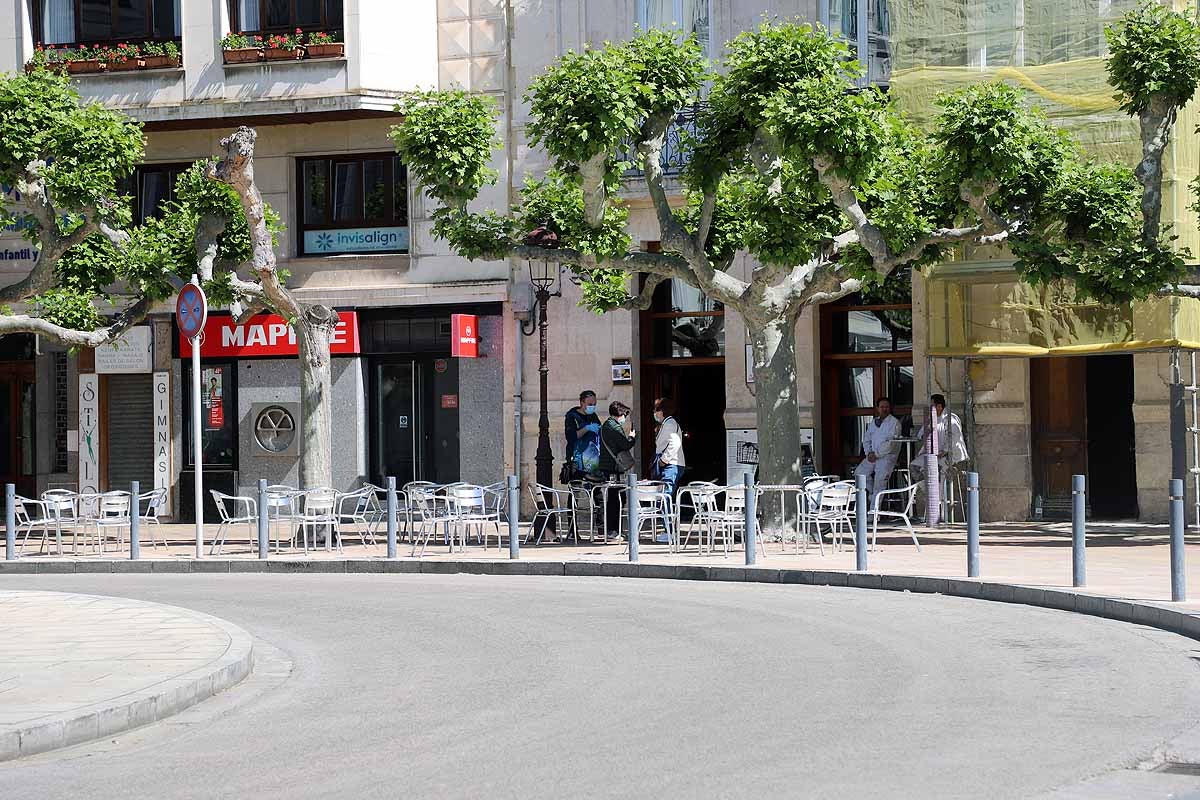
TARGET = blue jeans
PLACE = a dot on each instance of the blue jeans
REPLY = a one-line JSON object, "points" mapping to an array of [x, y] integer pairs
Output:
{"points": [[670, 476]]}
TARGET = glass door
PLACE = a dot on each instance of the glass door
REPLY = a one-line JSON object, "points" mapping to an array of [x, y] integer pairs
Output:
{"points": [[414, 420], [397, 444]]}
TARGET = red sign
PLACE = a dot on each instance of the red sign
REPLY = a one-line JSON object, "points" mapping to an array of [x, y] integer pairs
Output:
{"points": [[464, 333], [449, 401], [267, 335]]}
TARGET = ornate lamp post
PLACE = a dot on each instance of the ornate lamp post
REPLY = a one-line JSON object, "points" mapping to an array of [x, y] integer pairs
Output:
{"points": [[546, 277]]}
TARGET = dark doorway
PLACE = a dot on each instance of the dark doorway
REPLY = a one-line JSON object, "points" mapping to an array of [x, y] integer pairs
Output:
{"points": [[414, 420], [699, 395], [1112, 475], [1058, 410], [17, 415]]}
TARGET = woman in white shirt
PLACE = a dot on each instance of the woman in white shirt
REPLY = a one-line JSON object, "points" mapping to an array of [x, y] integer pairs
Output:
{"points": [[668, 445]]}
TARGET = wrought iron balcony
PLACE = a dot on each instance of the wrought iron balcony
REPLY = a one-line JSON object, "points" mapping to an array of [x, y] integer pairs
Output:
{"points": [[676, 152]]}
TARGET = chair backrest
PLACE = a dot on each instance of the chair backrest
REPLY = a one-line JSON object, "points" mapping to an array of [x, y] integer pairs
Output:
{"points": [[115, 505], [735, 498], [544, 498], [61, 503], [319, 501], [20, 511], [650, 494], [219, 501], [837, 496], [467, 497], [157, 499], [280, 497], [911, 497]]}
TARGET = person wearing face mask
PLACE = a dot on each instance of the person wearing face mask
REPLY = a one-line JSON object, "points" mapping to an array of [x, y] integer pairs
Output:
{"points": [[582, 427], [668, 446], [616, 458]]}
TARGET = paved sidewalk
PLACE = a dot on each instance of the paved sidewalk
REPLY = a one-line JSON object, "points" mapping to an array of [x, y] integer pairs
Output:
{"points": [[1127, 561], [78, 667]]}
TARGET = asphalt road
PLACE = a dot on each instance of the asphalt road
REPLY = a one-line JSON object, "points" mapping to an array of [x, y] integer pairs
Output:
{"points": [[473, 686]]}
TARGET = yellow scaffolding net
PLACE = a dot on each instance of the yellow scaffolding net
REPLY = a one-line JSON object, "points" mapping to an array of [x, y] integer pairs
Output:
{"points": [[1055, 50]]}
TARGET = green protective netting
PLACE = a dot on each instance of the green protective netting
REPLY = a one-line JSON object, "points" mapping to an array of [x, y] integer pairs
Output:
{"points": [[971, 310], [1054, 49]]}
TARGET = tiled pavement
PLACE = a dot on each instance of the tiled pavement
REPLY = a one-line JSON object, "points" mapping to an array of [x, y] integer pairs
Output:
{"points": [[78, 667]]}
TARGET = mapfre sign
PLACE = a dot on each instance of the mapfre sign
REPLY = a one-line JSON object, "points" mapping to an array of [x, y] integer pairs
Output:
{"points": [[464, 333], [267, 335]]}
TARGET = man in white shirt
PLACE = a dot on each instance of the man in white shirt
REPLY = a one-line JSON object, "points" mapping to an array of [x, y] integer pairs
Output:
{"points": [[952, 449], [879, 449]]}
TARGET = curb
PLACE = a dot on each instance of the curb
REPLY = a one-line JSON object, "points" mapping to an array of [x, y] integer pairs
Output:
{"points": [[135, 709], [1151, 614]]}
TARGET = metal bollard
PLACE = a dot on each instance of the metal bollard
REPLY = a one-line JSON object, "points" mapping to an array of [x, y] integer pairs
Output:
{"points": [[749, 531], [1078, 530], [1178, 580], [135, 510], [391, 517], [10, 521], [632, 510], [514, 517], [860, 523], [264, 524], [972, 524]]}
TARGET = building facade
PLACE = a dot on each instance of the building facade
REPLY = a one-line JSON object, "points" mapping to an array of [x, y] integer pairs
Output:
{"points": [[358, 238]]}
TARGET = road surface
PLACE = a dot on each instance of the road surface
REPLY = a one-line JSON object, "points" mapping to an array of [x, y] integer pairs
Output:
{"points": [[525, 687]]}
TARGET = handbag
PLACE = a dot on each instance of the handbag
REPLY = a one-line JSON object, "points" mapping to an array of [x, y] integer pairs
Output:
{"points": [[623, 459]]}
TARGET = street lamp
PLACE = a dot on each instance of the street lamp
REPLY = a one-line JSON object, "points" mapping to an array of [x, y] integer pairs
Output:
{"points": [[546, 277]]}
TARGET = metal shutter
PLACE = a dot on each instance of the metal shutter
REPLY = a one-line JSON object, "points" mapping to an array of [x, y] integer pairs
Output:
{"points": [[130, 435]]}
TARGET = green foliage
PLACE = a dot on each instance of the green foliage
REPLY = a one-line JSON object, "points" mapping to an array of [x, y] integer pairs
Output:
{"points": [[446, 140], [557, 201], [1154, 53], [473, 236], [603, 289], [68, 308], [88, 148]]}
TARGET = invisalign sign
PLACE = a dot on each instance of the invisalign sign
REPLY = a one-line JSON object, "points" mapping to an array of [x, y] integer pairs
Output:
{"points": [[356, 240]]}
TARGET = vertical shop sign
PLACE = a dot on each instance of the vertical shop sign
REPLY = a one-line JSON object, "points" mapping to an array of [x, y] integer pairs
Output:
{"points": [[162, 436], [89, 433], [213, 396], [464, 342]]}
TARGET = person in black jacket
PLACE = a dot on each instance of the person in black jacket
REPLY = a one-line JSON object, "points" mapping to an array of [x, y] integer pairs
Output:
{"points": [[613, 441]]}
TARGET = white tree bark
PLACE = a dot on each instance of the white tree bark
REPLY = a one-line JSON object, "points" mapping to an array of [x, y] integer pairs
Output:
{"points": [[774, 346], [313, 323]]}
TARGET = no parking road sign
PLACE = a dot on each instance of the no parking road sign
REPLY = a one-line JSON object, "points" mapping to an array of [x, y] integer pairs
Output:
{"points": [[191, 310]]}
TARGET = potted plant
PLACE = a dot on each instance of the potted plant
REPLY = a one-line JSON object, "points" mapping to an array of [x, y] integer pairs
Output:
{"points": [[122, 58], [44, 58], [238, 48], [157, 55], [85, 60], [324, 45], [284, 47]]}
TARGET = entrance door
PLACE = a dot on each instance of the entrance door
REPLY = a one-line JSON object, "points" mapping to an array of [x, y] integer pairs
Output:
{"points": [[17, 434], [699, 410], [414, 420], [1058, 407]]}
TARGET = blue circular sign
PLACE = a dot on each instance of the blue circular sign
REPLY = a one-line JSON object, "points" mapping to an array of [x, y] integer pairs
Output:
{"points": [[191, 310]]}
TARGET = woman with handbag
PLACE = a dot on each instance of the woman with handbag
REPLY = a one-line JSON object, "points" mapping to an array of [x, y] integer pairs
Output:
{"points": [[616, 458]]}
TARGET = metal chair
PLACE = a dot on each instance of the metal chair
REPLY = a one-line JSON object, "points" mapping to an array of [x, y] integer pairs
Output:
{"points": [[114, 511], [549, 504], [906, 495], [583, 501], [469, 507], [43, 521], [156, 500], [429, 508], [281, 507], [361, 508], [62, 505], [656, 507], [245, 512], [319, 511], [834, 507]]}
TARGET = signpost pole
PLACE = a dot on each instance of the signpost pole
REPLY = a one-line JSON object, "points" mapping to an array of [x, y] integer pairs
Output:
{"points": [[196, 448]]}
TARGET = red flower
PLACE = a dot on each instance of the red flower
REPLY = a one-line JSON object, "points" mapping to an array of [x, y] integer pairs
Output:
{"points": [[299, 31]]}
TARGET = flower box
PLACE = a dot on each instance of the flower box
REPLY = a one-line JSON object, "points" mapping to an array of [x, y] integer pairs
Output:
{"points": [[127, 65], [282, 53], [244, 55], [160, 62], [333, 50], [86, 66]]}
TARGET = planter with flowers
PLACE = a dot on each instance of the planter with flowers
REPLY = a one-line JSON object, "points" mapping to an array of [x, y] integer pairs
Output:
{"points": [[85, 60], [281, 47], [160, 55], [123, 57], [238, 48], [324, 45]]}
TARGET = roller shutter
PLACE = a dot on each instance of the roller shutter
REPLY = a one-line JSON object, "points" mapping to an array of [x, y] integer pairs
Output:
{"points": [[130, 436]]}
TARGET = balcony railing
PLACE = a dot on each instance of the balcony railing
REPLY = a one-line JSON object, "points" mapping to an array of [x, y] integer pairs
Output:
{"points": [[676, 152]]}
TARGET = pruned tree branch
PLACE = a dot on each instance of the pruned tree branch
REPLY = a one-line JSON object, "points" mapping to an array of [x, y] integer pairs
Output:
{"points": [[23, 323], [645, 297]]}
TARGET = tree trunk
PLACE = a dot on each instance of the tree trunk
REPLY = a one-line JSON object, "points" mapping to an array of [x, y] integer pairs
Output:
{"points": [[313, 334], [779, 456]]}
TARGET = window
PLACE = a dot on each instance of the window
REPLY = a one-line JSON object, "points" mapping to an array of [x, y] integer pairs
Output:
{"points": [[79, 21], [353, 204], [683, 324], [218, 415], [285, 15], [688, 16], [150, 186]]}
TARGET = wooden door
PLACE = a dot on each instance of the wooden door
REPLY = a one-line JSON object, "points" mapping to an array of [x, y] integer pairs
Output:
{"points": [[1058, 405], [17, 416]]}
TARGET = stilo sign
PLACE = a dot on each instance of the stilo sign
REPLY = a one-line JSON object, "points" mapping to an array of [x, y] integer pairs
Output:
{"points": [[464, 336], [268, 335]]}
